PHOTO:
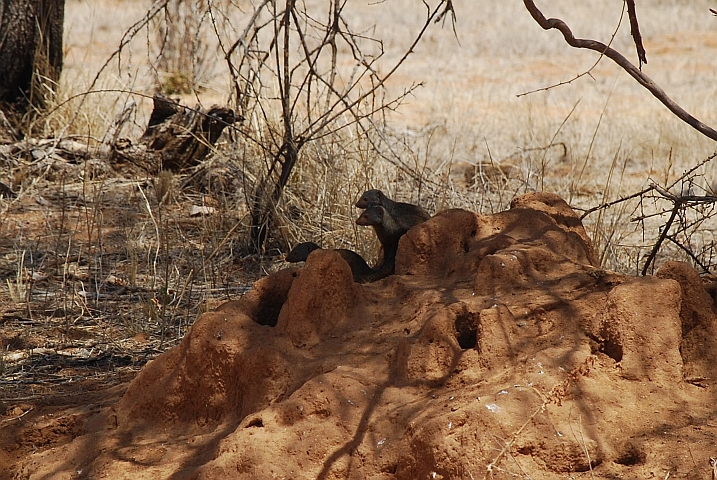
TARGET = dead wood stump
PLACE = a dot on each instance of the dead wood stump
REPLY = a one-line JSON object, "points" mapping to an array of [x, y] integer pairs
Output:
{"points": [[176, 137]]}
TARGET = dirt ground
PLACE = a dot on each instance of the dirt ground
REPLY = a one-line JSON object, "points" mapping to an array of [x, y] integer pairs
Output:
{"points": [[498, 350]]}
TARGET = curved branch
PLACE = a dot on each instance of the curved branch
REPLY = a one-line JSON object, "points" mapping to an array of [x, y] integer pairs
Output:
{"points": [[617, 57]]}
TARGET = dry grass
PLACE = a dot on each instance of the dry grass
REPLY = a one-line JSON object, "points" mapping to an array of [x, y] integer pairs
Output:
{"points": [[102, 249]]}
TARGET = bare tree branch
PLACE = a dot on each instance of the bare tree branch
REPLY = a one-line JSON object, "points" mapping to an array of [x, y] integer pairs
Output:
{"points": [[617, 57], [299, 53], [635, 32]]}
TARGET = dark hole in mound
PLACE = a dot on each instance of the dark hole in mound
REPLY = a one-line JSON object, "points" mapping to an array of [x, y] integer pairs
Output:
{"points": [[631, 456], [466, 331], [391, 468], [612, 349], [269, 303], [526, 450], [268, 311], [255, 422]]}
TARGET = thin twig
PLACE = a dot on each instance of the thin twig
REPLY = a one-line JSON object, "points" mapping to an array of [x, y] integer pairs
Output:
{"points": [[689, 253], [618, 201], [18, 417], [555, 135], [663, 235], [635, 32], [588, 72]]}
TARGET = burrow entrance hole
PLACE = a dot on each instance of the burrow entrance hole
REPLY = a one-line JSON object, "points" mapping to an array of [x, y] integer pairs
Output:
{"points": [[467, 330], [611, 347], [630, 456], [270, 302]]}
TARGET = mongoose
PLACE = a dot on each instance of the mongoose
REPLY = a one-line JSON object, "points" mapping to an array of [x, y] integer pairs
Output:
{"points": [[388, 231], [360, 270], [406, 215], [386, 226], [301, 252]]}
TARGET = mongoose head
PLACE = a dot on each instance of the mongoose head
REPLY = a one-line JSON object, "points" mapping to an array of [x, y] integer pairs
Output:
{"points": [[371, 197], [301, 252], [373, 215]]}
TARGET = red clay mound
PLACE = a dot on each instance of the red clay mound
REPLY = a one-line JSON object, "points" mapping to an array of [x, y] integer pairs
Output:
{"points": [[498, 349]]}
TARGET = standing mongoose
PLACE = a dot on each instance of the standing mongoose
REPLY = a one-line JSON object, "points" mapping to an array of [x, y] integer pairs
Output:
{"points": [[406, 215], [388, 231], [360, 270]]}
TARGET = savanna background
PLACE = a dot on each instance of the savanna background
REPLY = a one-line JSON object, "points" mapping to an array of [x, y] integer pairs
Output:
{"points": [[105, 266]]}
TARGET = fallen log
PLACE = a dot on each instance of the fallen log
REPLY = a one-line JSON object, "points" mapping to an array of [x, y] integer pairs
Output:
{"points": [[176, 137]]}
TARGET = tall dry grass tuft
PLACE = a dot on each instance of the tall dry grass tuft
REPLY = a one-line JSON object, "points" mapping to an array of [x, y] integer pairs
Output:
{"points": [[183, 45]]}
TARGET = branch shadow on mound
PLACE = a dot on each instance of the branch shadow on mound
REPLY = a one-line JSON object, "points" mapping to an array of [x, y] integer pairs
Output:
{"points": [[394, 380], [448, 332], [348, 448]]}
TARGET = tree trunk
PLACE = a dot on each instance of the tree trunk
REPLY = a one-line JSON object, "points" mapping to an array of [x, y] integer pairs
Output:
{"points": [[30, 53]]}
